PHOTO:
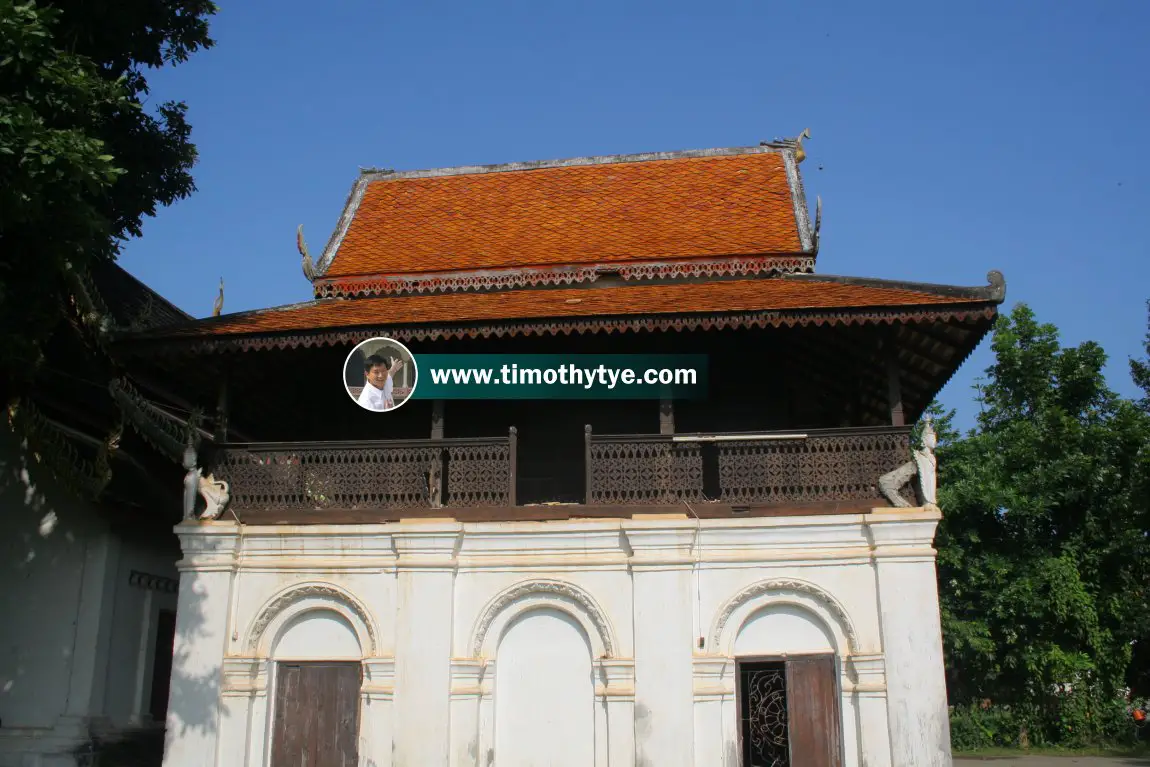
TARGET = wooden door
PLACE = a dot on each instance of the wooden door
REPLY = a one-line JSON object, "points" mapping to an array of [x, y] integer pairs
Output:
{"points": [[316, 720], [813, 712], [789, 713]]}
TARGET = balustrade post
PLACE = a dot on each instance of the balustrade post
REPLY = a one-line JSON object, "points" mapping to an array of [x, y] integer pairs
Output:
{"points": [[513, 456], [587, 464], [435, 479], [435, 476]]}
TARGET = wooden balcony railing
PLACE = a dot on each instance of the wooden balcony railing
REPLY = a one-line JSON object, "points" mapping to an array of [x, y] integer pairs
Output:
{"points": [[742, 468], [739, 468], [369, 475]]}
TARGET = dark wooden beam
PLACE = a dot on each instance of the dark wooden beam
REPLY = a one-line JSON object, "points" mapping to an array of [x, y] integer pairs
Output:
{"points": [[855, 345], [801, 360]]}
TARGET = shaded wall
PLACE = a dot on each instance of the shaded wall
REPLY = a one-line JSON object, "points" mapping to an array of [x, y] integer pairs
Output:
{"points": [[78, 639]]}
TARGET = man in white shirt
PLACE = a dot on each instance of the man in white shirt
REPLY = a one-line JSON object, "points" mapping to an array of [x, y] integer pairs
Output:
{"points": [[376, 394]]}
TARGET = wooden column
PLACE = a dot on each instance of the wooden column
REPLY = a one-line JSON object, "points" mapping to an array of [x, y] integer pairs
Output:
{"points": [[222, 412], [894, 385], [437, 419], [666, 416]]}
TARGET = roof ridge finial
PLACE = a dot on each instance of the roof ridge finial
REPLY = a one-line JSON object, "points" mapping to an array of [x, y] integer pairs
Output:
{"points": [[791, 143], [801, 155], [218, 307], [308, 264]]}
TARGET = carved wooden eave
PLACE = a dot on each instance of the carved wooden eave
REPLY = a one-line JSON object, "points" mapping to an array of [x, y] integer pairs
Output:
{"points": [[556, 327], [501, 279]]}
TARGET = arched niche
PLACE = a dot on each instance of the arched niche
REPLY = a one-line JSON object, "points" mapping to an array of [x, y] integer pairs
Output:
{"points": [[796, 606], [316, 635], [544, 691], [334, 608], [524, 597], [783, 629]]}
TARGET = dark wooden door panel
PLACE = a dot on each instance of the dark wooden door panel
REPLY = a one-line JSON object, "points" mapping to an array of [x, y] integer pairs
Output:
{"points": [[162, 664], [813, 712], [762, 707], [316, 721]]}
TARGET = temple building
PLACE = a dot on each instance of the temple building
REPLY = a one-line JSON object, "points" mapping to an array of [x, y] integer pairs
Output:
{"points": [[89, 493], [743, 580]]}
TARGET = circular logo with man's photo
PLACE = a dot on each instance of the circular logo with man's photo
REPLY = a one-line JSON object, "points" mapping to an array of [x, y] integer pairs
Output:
{"points": [[380, 374]]}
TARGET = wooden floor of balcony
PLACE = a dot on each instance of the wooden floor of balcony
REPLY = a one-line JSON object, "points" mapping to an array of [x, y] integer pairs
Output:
{"points": [[549, 513]]}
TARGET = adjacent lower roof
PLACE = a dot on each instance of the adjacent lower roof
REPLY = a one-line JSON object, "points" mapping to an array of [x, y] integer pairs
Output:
{"points": [[598, 210], [788, 299]]}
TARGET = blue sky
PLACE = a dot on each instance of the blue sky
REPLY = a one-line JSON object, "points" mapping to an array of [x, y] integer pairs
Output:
{"points": [[947, 139]]}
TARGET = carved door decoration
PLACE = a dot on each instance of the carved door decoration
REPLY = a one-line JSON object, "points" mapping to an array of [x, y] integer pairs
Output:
{"points": [[316, 720], [789, 713]]}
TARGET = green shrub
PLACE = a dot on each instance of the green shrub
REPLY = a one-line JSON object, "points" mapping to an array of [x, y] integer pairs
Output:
{"points": [[1070, 720], [973, 727]]}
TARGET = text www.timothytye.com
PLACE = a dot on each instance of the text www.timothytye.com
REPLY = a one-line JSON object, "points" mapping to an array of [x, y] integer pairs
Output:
{"points": [[567, 375]]}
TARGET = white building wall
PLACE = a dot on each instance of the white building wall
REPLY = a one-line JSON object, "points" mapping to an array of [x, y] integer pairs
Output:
{"points": [[445, 615], [77, 639]]}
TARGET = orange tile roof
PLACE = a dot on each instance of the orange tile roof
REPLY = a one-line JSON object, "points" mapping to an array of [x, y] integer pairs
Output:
{"points": [[602, 212], [624, 300]]}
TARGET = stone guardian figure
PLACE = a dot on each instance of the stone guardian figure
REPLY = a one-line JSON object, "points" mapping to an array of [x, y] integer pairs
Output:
{"points": [[924, 464]]}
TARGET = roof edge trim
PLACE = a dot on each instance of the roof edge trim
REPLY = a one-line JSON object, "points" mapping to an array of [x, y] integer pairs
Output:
{"points": [[567, 162], [543, 326], [994, 291], [799, 201], [536, 276]]}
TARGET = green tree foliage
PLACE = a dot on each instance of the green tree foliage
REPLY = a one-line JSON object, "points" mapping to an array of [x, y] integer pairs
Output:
{"points": [[1044, 559], [1140, 369], [82, 161]]}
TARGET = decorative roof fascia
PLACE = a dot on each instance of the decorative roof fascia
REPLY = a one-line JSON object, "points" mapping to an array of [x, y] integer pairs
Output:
{"points": [[368, 176], [799, 199], [500, 279], [963, 312], [994, 291]]}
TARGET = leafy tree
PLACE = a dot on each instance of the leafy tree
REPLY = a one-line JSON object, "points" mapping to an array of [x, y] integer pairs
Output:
{"points": [[1140, 369], [1043, 552], [82, 162]]}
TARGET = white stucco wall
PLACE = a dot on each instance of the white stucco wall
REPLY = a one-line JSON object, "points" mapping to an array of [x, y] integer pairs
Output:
{"points": [[644, 616], [75, 646]]}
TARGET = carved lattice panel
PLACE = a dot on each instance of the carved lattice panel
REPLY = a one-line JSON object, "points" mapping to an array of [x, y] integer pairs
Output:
{"points": [[836, 467], [765, 735], [262, 479], [645, 472], [364, 477], [478, 475]]}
